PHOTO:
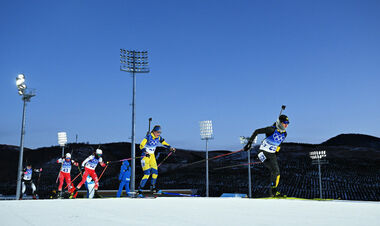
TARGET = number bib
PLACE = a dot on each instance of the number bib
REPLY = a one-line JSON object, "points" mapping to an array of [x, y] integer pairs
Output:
{"points": [[271, 143], [66, 167], [150, 150], [28, 175], [91, 164], [265, 146]]}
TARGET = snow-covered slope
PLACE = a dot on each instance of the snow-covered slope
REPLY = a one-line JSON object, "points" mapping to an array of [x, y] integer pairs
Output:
{"points": [[188, 211]]}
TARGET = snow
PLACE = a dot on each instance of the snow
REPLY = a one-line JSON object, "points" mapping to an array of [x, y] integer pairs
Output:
{"points": [[188, 211]]}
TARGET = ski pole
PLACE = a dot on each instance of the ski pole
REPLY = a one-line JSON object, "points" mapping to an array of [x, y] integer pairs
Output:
{"points": [[102, 172], [215, 157], [170, 153], [73, 180], [80, 171], [243, 164], [121, 160]]}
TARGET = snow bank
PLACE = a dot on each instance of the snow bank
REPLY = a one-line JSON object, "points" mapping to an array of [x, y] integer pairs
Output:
{"points": [[188, 211]]}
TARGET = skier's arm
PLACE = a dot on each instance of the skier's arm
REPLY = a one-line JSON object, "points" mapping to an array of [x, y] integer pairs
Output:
{"points": [[163, 142], [59, 160], [86, 160], [101, 162], [75, 163], [265, 130], [143, 143]]}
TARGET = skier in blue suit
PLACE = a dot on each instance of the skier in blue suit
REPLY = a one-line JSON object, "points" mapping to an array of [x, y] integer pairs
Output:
{"points": [[124, 178]]}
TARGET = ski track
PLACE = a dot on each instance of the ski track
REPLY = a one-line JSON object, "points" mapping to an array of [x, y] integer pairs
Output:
{"points": [[188, 211]]}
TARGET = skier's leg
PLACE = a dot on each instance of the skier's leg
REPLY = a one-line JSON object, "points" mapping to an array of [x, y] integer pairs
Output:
{"points": [[127, 187], [61, 177], [23, 188], [94, 177], [68, 180], [275, 177], [121, 186], [146, 168], [153, 164], [269, 163], [33, 188], [85, 174]]}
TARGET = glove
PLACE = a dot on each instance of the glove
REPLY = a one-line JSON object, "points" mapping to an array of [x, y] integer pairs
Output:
{"points": [[108, 162], [172, 149], [247, 146], [82, 168], [40, 169], [76, 164]]}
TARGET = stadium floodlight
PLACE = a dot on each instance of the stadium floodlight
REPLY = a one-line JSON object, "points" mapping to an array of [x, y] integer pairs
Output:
{"points": [[316, 157], [62, 141], [26, 96], [132, 62], [206, 134]]}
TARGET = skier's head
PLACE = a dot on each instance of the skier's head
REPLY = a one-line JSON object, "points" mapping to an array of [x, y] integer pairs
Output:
{"points": [[282, 122], [156, 130], [68, 156], [98, 153]]}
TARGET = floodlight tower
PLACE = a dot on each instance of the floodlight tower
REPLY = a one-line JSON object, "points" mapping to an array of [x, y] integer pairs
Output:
{"points": [[133, 62], [206, 134], [62, 141], [316, 157], [25, 96]]}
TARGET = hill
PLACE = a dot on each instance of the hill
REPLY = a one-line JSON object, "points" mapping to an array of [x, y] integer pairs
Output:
{"points": [[353, 172]]}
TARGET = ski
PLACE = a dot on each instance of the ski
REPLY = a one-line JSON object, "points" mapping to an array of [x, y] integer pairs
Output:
{"points": [[176, 194]]}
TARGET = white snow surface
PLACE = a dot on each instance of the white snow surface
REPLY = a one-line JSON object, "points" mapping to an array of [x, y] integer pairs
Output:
{"points": [[188, 211]]}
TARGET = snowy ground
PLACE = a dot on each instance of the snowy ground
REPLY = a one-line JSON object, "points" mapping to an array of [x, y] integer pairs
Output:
{"points": [[188, 211]]}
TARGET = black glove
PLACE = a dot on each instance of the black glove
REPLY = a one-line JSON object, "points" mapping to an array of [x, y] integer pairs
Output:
{"points": [[172, 149], [82, 168], [247, 146]]}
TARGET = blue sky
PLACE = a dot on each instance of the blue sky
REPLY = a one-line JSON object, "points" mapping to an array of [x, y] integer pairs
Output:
{"points": [[233, 62]]}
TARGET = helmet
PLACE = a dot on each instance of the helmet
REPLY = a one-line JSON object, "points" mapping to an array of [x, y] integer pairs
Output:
{"points": [[68, 155], [156, 128], [283, 119], [99, 152]]}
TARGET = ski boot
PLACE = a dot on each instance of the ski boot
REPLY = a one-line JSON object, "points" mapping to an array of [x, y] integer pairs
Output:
{"points": [[153, 189], [59, 195], [274, 193], [73, 193], [139, 193]]}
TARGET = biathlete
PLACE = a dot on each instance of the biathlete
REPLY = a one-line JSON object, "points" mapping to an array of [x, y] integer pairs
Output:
{"points": [[148, 162], [28, 180], [64, 174], [89, 164], [275, 135]]}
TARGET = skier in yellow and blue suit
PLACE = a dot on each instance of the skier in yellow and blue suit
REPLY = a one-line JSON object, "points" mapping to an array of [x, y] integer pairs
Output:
{"points": [[148, 162]]}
